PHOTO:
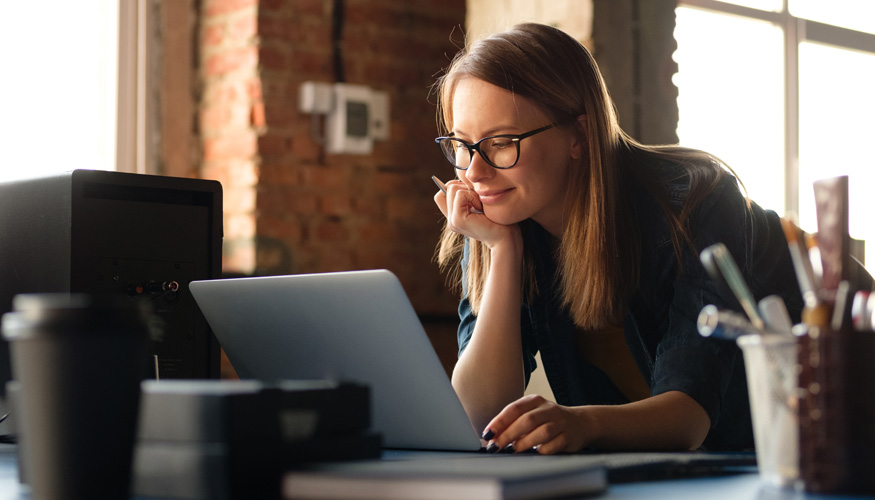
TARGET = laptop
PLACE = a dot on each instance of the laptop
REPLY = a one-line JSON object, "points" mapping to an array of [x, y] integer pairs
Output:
{"points": [[354, 326]]}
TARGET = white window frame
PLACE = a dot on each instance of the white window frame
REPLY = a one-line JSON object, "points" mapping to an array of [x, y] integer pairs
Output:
{"points": [[796, 30], [132, 116]]}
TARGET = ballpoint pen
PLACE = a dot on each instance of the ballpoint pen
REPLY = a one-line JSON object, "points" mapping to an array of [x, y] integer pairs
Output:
{"points": [[443, 188]]}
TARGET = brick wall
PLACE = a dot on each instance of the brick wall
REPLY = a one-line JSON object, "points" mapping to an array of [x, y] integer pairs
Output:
{"points": [[289, 207]]}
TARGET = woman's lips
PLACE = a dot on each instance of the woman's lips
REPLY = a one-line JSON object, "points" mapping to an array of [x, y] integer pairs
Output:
{"points": [[493, 196]]}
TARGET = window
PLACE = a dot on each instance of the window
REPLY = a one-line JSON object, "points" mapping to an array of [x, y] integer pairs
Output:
{"points": [[59, 93], [781, 90]]}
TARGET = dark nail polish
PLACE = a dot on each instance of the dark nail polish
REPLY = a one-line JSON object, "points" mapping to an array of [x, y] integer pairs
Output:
{"points": [[488, 434], [491, 448], [509, 449]]}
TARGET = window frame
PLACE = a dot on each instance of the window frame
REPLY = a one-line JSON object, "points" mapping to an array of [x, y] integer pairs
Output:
{"points": [[796, 30]]}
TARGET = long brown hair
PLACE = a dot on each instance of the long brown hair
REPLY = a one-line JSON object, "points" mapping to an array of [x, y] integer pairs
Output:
{"points": [[599, 255]]}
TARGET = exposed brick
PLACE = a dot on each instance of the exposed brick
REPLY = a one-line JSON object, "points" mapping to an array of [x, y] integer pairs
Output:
{"points": [[243, 27], [302, 203], [369, 206], [313, 8], [376, 231], [334, 212], [239, 225], [273, 5], [278, 171], [274, 145], [230, 146], [281, 114], [257, 115], [213, 35], [253, 89], [335, 204], [331, 259], [213, 118], [232, 172], [401, 208], [239, 200], [269, 200], [226, 114], [231, 60], [283, 228], [331, 231], [238, 255], [218, 91], [391, 183], [323, 177], [306, 149], [218, 7], [311, 63]]}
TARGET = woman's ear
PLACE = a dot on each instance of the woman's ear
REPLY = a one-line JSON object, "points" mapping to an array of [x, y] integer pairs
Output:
{"points": [[578, 147]]}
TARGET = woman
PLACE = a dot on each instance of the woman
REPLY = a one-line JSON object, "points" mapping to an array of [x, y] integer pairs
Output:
{"points": [[579, 243]]}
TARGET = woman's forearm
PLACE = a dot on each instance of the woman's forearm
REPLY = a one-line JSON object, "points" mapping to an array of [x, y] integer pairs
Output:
{"points": [[668, 421], [489, 374]]}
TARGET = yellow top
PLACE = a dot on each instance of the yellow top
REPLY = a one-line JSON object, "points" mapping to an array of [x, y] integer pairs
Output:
{"points": [[606, 349]]}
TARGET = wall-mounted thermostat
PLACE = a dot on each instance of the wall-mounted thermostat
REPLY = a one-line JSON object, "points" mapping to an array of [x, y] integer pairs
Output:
{"points": [[355, 115]]}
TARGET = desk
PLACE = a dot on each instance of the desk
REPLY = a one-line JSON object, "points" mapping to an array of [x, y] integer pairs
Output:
{"points": [[742, 486]]}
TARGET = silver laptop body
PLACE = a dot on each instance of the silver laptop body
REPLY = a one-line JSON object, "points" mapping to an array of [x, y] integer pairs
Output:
{"points": [[355, 326]]}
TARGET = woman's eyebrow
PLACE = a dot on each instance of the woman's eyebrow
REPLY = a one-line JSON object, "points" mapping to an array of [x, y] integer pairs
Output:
{"points": [[490, 132]]}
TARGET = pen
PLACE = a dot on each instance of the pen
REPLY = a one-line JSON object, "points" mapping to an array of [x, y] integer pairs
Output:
{"points": [[440, 185], [443, 188], [775, 315], [723, 324], [718, 262]]}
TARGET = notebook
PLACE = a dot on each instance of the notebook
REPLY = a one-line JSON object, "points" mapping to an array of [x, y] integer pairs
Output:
{"points": [[353, 326], [526, 477]]}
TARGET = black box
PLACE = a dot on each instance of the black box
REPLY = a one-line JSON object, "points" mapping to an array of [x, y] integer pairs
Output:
{"points": [[102, 232], [234, 439]]}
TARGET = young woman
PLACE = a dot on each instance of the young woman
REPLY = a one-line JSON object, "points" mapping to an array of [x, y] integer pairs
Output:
{"points": [[575, 241]]}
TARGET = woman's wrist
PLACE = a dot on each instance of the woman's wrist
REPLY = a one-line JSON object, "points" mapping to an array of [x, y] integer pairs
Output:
{"points": [[510, 244]]}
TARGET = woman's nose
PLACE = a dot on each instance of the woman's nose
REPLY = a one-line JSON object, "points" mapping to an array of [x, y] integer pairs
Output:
{"points": [[478, 169]]}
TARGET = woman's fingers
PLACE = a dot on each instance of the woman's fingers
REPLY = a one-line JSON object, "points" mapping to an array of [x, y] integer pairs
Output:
{"points": [[456, 205], [440, 199], [500, 425], [533, 422]]}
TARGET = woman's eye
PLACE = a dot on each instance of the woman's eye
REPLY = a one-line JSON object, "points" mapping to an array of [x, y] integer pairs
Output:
{"points": [[500, 142]]}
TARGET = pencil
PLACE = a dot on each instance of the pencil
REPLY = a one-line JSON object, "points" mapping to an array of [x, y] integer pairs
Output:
{"points": [[801, 263]]}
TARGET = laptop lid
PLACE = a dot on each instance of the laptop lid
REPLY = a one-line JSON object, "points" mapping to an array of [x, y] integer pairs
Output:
{"points": [[356, 326]]}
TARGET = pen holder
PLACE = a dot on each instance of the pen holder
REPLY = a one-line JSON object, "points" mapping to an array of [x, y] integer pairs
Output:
{"points": [[837, 411], [770, 366]]}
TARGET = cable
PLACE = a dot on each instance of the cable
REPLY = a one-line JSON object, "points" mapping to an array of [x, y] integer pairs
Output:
{"points": [[337, 21]]}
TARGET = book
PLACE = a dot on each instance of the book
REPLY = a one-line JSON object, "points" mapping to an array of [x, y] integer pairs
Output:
{"points": [[479, 477]]}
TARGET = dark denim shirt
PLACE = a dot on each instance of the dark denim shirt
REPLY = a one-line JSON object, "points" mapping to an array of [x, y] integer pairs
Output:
{"points": [[660, 322]]}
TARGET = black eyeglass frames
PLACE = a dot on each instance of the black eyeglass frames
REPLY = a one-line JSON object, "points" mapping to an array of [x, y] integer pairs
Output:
{"points": [[499, 151]]}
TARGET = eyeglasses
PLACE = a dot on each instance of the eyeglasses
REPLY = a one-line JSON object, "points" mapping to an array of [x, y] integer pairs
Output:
{"points": [[499, 151]]}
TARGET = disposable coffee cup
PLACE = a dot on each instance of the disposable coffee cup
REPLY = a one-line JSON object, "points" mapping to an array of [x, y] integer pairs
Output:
{"points": [[770, 366], [79, 361]]}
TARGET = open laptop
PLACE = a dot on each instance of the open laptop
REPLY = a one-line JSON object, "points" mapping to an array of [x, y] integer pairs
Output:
{"points": [[356, 326]]}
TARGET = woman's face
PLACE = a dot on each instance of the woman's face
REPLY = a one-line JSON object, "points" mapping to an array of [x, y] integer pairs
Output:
{"points": [[536, 186]]}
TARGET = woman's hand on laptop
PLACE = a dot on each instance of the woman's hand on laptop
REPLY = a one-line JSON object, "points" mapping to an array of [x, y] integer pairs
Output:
{"points": [[668, 421], [533, 422]]}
